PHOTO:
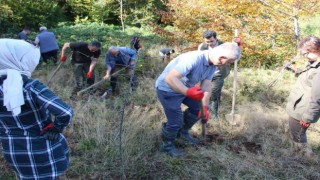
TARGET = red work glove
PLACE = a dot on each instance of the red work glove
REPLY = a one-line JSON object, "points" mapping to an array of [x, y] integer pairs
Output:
{"points": [[63, 58], [49, 132], [206, 113], [89, 75], [195, 93], [304, 124], [238, 41]]}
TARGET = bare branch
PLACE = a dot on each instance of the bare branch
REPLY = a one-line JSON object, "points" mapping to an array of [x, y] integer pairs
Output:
{"points": [[269, 6]]}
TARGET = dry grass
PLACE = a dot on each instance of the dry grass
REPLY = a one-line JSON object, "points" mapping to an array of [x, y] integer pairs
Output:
{"points": [[257, 147]]}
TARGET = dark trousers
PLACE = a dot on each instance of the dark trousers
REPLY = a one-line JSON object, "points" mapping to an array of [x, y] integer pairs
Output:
{"points": [[51, 55], [298, 132], [217, 84], [129, 73], [171, 103], [80, 71]]}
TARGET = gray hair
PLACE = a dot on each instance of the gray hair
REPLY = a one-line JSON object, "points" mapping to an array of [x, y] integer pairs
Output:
{"points": [[230, 50], [114, 48]]}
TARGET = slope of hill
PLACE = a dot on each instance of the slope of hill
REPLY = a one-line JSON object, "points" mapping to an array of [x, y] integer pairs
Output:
{"points": [[106, 145]]}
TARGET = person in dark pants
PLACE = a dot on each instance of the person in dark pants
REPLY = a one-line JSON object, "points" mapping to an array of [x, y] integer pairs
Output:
{"points": [[211, 41], [48, 45], [176, 85], [118, 58], [84, 59], [303, 105], [165, 54], [32, 117]]}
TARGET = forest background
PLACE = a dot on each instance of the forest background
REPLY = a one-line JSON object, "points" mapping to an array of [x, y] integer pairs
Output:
{"points": [[118, 138]]}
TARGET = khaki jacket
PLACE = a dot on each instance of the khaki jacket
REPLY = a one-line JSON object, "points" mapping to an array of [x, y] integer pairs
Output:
{"points": [[304, 99]]}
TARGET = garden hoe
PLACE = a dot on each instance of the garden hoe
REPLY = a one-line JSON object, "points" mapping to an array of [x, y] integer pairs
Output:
{"points": [[232, 117], [97, 83], [55, 71], [203, 122]]}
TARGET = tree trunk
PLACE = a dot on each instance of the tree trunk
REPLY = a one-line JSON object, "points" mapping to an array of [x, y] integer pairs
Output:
{"points": [[121, 14], [296, 29]]}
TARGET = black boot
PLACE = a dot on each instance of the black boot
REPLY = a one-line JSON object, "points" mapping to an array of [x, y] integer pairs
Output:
{"points": [[168, 144], [189, 120]]}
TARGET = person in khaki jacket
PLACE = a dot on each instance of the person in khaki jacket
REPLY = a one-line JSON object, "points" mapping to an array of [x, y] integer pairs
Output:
{"points": [[211, 41], [303, 105]]}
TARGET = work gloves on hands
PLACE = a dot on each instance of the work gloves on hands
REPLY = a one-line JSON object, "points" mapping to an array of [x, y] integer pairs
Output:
{"points": [[238, 41], [63, 58], [49, 132], [206, 113], [195, 93], [288, 66], [304, 124], [89, 75]]}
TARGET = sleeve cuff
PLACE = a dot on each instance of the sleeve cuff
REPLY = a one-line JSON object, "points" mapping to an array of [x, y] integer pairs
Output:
{"points": [[308, 119]]}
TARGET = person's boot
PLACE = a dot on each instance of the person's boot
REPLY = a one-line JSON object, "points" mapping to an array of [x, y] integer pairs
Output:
{"points": [[188, 121], [168, 144]]}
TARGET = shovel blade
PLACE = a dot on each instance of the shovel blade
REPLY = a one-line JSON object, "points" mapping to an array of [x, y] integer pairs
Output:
{"points": [[234, 119]]}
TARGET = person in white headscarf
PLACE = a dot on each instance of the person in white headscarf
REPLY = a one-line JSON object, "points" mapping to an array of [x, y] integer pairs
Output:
{"points": [[32, 142]]}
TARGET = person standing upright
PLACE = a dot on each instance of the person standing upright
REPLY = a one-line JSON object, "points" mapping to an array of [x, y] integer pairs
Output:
{"points": [[303, 106], [48, 45], [211, 41]]}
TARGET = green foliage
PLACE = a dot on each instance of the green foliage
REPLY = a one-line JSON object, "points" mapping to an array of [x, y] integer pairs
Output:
{"points": [[310, 25], [33, 13], [88, 144]]}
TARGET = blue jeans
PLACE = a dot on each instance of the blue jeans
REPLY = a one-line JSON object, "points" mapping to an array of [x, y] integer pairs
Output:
{"points": [[171, 103]]}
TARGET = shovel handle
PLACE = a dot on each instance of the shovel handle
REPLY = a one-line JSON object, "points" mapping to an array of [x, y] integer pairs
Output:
{"points": [[54, 73], [93, 85], [97, 83], [203, 120]]}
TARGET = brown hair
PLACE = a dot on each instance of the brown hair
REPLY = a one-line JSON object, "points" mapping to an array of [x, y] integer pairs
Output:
{"points": [[311, 44]]}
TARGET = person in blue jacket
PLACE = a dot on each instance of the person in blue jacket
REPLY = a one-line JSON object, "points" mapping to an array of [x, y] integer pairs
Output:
{"points": [[118, 58], [48, 45]]}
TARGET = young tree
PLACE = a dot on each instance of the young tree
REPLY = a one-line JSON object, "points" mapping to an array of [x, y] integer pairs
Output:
{"points": [[121, 14], [268, 35]]}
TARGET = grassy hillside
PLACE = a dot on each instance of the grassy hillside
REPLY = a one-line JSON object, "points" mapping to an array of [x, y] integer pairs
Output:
{"points": [[105, 147]]}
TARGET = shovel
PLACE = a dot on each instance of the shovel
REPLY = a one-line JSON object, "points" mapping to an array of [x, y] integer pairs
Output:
{"points": [[232, 117]]}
